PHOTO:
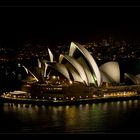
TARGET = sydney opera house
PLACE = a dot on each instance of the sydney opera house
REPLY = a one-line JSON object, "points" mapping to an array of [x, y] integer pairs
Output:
{"points": [[72, 75]]}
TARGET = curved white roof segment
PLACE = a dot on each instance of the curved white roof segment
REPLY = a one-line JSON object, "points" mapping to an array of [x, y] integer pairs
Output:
{"points": [[90, 77], [39, 63], [61, 58], [27, 71], [74, 73], [111, 69], [30, 73], [45, 69], [50, 55], [134, 79], [72, 49], [62, 69], [77, 66], [106, 78], [88, 57]]}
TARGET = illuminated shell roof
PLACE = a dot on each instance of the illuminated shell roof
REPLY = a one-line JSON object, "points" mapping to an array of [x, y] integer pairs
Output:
{"points": [[134, 79], [106, 78], [30, 73], [110, 72], [83, 69], [50, 55], [77, 66], [91, 78], [76, 77], [93, 66], [62, 69]]}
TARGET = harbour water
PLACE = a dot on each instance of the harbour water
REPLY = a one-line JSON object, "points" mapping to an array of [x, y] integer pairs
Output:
{"points": [[106, 118]]}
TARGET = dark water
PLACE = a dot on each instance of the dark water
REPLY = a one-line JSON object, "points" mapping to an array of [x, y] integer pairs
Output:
{"points": [[111, 117]]}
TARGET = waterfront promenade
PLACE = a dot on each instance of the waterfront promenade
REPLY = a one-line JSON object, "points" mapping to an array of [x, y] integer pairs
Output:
{"points": [[114, 93]]}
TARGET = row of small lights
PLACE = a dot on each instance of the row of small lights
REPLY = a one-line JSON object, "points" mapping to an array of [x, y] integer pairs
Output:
{"points": [[124, 93], [44, 97], [54, 98], [72, 98]]}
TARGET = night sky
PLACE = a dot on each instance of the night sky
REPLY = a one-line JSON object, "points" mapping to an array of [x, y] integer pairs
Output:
{"points": [[63, 24]]}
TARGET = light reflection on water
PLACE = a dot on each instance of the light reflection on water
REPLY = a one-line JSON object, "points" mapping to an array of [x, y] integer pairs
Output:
{"points": [[120, 116]]}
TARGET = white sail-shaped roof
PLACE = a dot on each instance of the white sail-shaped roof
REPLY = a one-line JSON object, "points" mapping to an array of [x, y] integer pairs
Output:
{"points": [[50, 55], [62, 69], [111, 69], [45, 69], [106, 78], [39, 63], [77, 66], [89, 58], [30, 73], [134, 79], [60, 58], [91, 78], [74, 73]]}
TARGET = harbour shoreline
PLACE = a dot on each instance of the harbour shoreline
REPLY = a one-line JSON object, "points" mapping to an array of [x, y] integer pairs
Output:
{"points": [[68, 102]]}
